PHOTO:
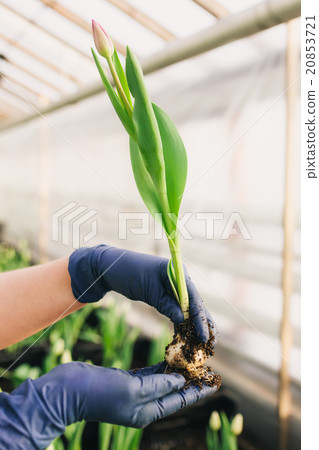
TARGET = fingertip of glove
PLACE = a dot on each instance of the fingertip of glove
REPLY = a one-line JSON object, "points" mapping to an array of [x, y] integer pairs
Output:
{"points": [[178, 375], [172, 310], [160, 367], [178, 320], [179, 379], [203, 332], [194, 393]]}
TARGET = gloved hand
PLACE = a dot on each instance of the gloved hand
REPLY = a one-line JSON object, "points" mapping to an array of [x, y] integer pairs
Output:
{"points": [[97, 270], [39, 410]]}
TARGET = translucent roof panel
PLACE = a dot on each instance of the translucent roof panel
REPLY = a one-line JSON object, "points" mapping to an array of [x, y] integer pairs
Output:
{"points": [[45, 45]]}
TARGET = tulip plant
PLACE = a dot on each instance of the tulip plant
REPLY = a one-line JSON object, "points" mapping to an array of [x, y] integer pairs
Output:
{"points": [[158, 155], [222, 433]]}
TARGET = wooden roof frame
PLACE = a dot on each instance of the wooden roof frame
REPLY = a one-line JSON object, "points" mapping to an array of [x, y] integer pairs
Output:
{"points": [[143, 19], [39, 58], [31, 74], [122, 5], [77, 20], [213, 7], [45, 30], [13, 80]]}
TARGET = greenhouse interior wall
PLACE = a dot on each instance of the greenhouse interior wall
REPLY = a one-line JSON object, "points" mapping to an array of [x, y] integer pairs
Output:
{"points": [[231, 113]]}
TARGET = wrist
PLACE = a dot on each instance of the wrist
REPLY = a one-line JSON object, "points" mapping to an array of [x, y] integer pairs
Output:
{"points": [[63, 392], [87, 281], [27, 422]]}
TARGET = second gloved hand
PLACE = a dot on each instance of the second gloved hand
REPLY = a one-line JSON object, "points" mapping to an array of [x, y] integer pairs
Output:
{"points": [[39, 410], [98, 270]]}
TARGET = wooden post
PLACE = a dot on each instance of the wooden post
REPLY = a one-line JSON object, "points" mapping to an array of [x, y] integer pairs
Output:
{"points": [[289, 213], [43, 189]]}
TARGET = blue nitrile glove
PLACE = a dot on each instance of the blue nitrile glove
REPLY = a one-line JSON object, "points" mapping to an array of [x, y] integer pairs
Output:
{"points": [[97, 270], [39, 410]]}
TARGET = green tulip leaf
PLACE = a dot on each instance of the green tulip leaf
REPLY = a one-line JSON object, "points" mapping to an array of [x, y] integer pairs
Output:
{"points": [[147, 133], [120, 111], [143, 180], [172, 278], [121, 75], [175, 159]]}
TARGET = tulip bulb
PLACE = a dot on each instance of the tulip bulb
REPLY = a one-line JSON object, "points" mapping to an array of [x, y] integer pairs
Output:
{"points": [[175, 356]]}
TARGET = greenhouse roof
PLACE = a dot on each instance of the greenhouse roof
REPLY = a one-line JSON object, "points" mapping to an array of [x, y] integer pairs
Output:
{"points": [[45, 44]]}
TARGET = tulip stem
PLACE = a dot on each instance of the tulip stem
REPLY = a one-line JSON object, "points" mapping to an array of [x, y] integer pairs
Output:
{"points": [[179, 275], [119, 87], [175, 250]]}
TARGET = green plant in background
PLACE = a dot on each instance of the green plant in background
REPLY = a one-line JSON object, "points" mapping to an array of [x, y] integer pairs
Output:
{"points": [[14, 258], [158, 345], [118, 343], [117, 337], [64, 335], [222, 433], [158, 156]]}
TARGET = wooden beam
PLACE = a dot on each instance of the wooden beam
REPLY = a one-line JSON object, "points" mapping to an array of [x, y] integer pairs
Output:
{"points": [[77, 20], [214, 8], [16, 94], [12, 108], [38, 25], [31, 74], [4, 116], [143, 19], [39, 58], [19, 83]]}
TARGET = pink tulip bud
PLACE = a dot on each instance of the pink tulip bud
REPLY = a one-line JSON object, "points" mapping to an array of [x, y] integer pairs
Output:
{"points": [[102, 40]]}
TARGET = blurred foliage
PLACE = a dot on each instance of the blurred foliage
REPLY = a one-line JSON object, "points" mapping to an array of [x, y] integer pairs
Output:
{"points": [[104, 327], [158, 346], [14, 258]]}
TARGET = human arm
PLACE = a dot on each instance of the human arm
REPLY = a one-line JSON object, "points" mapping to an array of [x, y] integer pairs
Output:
{"points": [[33, 298]]}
